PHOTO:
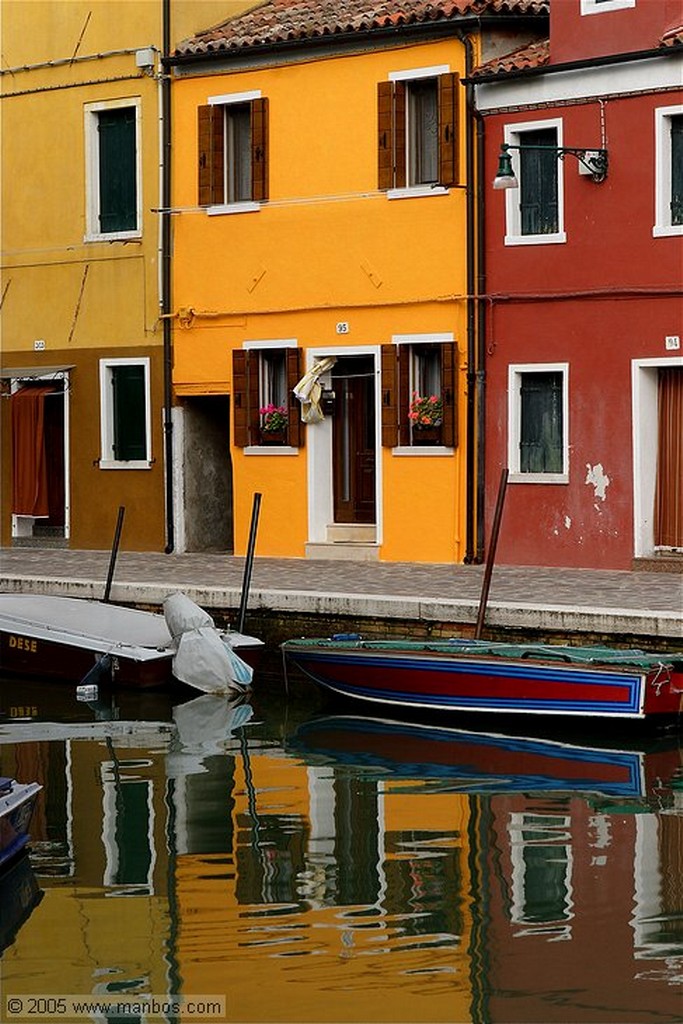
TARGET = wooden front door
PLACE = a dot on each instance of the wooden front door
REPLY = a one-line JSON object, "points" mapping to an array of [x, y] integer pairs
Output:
{"points": [[353, 433], [669, 484]]}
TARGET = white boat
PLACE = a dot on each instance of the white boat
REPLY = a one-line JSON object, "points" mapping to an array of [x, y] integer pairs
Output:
{"points": [[51, 636]]}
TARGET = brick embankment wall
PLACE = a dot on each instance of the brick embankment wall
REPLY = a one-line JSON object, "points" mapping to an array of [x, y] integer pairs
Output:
{"points": [[274, 627]]}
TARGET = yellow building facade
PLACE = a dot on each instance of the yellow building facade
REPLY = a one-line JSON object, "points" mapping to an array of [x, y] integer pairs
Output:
{"points": [[86, 420], [332, 255]]}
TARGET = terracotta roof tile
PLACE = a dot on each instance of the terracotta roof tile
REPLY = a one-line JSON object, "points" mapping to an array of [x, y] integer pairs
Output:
{"points": [[284, 21], [532, 55]]}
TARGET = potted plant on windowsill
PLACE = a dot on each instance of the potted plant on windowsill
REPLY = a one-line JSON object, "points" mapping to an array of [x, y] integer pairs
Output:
{"points": [[426, 416], [273, 424]]}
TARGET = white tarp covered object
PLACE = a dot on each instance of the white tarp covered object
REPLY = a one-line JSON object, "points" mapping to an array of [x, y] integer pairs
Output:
{"points": [[203, 658], [309, 390]]}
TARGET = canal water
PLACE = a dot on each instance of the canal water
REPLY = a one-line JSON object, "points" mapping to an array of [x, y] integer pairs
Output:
{"points": [[279, 860]]}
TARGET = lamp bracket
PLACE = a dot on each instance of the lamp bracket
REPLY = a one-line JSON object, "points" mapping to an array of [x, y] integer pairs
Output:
{"points": [[593, 160]]}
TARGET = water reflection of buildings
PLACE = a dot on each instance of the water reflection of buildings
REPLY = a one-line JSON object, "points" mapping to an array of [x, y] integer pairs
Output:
{"points": [[351, 874], [588, 896]]}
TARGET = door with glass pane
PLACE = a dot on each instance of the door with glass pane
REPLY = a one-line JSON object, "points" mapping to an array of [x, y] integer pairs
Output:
{"points": [[353, 433]]}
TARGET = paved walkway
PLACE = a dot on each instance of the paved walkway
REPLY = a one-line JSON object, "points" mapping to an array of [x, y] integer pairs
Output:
{"points": [[572, 600]]}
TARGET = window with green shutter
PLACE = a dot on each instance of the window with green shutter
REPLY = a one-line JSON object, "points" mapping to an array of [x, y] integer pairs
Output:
{"points": [[677, 169], [538, 182], [125, 413], [117, 164], [541, 439], [129, 439]]}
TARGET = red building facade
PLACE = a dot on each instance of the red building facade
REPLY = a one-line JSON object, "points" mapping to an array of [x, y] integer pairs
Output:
{"points": [[583, 262]]}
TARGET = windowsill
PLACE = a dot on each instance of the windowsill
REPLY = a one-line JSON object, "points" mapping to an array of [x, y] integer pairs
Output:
{"points": [[423, 449], [270, 449], [557, 239], [538, 478], [247, 207], [667, 230], [417, 192], [114, 236], [131, 464]]}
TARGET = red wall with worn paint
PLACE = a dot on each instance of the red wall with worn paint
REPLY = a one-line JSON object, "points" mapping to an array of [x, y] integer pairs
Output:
{"points": [[595, 302], [576, 36]]}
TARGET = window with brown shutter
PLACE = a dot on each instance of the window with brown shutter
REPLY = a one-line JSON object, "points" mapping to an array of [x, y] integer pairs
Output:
{"points": [[418, 132], [262, 379], [233, 152], [419, 370]]}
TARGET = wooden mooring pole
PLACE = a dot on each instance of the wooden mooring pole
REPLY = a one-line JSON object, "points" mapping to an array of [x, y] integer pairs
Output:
{"points": [[491, 555]]}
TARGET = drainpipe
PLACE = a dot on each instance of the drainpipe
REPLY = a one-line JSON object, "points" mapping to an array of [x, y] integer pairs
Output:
{"points": [[471, 310], [166, 271], [481, 338]]}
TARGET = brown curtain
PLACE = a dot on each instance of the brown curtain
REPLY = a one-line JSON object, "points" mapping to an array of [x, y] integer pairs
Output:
{"points": [[29, 463], [669, 488]]}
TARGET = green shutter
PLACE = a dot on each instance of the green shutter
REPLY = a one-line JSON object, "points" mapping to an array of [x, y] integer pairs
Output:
{"points": [[130, 417], [677, 170], [118, 170], [541, 435], [538, 185]]}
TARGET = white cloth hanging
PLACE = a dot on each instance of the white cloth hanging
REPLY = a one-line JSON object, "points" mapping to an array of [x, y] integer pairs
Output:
{"points": [[309, 390]]}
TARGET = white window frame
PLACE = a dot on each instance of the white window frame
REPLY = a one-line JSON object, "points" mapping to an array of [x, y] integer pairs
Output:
{"points": [[412, 74], [549, 831], [226, 100], [644, 395], [595, 7], [92, 170], [663, 226], [22, 526], [513, 135], [515, 371], [112, 776], [107, 416]]}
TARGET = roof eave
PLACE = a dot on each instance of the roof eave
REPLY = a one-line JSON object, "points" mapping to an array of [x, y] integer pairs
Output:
{"points": [[576, 65], [428, 30]]}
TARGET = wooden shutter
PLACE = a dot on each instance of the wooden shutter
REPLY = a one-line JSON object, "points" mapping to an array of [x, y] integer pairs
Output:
{"points": [[448, 129], [385, 135], [254, 396], [239, 399], [404, 357], [449, 394], [211, 150], [295, 428], [389, 396], [129, 412], [400, 157], [668, 524], [259, 149]]}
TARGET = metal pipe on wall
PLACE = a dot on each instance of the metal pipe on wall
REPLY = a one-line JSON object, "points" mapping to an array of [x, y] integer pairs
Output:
{"points": [[166, 274]]}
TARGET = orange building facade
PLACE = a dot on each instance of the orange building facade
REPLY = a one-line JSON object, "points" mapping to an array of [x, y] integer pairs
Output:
{"points": [[324, 326]]}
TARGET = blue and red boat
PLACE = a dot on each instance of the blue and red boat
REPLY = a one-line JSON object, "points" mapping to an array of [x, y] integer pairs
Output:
{"points": [[478, 676], [17, 801]]}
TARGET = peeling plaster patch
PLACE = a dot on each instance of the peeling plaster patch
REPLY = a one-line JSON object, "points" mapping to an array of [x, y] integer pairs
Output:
{"points": [[567, 523], [596, 476]]}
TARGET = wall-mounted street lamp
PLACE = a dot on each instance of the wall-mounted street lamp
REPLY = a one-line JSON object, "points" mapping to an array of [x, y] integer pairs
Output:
{"points": [[591, 161]]}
